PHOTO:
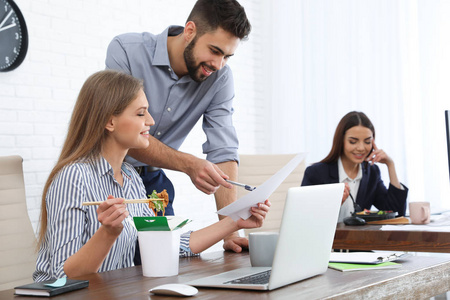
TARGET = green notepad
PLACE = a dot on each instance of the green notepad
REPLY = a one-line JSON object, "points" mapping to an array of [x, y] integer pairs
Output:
{"points": [[343, 267]]}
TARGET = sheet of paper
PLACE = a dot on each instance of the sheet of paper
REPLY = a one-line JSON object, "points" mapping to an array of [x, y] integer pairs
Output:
{"points": [[438, 223], [415, 228], [241, 207]]}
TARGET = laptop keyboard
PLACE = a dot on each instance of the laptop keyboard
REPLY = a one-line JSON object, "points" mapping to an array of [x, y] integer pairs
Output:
{"points": [[258, 278]]}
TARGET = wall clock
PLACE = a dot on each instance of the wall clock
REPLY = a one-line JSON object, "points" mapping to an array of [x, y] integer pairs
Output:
{"points": [[13, 36]]}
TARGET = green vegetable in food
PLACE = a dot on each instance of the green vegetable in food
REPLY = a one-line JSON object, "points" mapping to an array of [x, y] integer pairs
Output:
{"points": [[154, 195], [159, 204]]}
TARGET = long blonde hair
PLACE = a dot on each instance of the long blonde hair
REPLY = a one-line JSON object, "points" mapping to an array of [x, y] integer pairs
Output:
{"points": [[104, 94]]}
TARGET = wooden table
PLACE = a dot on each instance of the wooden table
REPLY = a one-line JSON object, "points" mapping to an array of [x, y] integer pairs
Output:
{"points": [[418, 278], [370, 237]]}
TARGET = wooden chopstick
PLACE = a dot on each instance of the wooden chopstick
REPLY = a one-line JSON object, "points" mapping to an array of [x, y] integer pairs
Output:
{"points": [[126, 201]]}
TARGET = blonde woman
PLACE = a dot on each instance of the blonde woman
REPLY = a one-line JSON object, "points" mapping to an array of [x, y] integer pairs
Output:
{"points": [[110, 117]]}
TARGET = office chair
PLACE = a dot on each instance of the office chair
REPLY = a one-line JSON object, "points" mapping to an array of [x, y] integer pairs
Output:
{"points": [[17, 238]]}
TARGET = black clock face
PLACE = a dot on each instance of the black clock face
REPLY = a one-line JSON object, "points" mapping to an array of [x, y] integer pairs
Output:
{"points": [[13, 36]]}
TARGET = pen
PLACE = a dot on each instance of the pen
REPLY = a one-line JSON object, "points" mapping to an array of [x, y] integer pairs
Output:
{"points": [[245, 186]]}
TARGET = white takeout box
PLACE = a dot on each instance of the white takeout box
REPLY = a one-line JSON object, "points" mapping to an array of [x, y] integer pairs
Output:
{"points": [[159, 244]]}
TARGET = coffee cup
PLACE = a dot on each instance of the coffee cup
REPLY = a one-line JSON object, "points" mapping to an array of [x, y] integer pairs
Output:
{"points": [[261, 246], [419, 212]]}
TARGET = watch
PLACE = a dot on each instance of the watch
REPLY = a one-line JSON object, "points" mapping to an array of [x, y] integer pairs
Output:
{"points": [[13, 36]]}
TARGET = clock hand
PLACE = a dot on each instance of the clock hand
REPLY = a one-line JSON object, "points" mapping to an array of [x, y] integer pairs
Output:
{"points": [[7, 27], [6, 18]]}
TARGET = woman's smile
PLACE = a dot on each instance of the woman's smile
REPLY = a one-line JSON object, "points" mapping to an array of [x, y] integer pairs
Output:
{"points": [[357, 144]]}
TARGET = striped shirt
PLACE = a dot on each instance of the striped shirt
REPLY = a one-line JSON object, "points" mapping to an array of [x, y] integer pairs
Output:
{"points": [[70, 224]]}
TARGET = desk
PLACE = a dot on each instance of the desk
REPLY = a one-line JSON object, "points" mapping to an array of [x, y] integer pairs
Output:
{"points": [[418, 278], [370, 237]]}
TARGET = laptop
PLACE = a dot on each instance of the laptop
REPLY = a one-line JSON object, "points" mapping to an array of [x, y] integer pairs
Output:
{"points": [[304, 244]]}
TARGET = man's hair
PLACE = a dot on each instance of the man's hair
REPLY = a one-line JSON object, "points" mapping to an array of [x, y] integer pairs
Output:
{"points": [[229, 15]]}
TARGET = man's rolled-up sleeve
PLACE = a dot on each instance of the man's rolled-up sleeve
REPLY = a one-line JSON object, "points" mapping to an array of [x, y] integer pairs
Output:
{"points": [[221, 138]]}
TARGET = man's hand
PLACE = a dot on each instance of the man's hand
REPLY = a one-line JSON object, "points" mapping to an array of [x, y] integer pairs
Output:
{"points": [[235, 243], [206, 176]]}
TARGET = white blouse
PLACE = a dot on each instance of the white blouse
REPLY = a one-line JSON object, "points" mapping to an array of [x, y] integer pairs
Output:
{"points": [[347, 207]]}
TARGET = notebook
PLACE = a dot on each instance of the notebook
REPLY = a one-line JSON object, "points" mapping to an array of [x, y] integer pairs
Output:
{"points": [[50, 288], [304, 244]]}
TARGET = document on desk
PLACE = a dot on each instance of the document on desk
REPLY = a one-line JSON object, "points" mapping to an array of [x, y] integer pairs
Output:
{"points": [[241, 207], [370, 258], [344, 267], [438, 223]]}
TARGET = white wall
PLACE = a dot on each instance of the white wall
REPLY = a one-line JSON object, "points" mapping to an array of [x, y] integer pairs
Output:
{"points": [[67, 43]]}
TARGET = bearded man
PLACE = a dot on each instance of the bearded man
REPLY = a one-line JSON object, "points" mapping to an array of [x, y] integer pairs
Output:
{"points": [[185, 75]]}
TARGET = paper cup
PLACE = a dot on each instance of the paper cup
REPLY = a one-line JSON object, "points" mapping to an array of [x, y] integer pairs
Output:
{"points": [[159, 252]]}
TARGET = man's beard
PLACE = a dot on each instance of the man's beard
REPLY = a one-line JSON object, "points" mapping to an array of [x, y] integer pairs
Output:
{"points": [[191, 64]]}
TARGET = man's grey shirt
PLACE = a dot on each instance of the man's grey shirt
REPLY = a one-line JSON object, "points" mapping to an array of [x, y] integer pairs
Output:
{"points": [[176, 104]]}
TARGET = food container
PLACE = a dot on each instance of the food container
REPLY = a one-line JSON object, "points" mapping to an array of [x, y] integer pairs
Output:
{"points": [[159, 244]]}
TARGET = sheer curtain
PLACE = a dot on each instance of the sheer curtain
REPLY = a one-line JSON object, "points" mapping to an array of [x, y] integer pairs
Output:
{"points": [[426, 94], [389, 59]]}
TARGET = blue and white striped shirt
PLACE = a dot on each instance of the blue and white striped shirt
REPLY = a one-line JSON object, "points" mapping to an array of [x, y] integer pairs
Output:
{"points": [[70, 224]]}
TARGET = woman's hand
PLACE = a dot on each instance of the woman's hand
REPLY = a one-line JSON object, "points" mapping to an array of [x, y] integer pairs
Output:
{"points": [[346, 192], [378, 155], [258, 215], [111, 213], [90, 256]]}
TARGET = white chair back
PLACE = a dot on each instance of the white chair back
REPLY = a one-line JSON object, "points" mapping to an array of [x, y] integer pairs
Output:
{"points": [[17, 238], [255, 169]]}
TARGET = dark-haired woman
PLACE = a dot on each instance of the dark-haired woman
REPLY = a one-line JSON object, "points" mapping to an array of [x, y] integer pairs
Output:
{"points": [[352, 161]]}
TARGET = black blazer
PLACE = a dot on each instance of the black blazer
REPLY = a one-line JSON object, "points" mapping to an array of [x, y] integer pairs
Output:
{"points": [[371, 191]]}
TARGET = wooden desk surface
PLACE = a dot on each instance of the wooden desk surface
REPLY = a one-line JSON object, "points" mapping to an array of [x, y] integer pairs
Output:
{"points": [[370, 237], [418, 278]]}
